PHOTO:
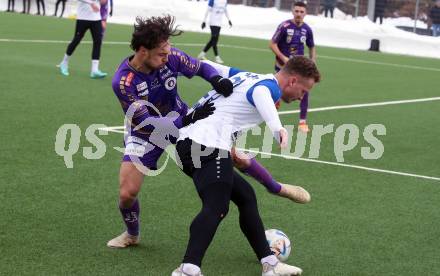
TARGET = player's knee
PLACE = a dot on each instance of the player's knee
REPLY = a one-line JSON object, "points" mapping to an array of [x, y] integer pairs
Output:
{"points": [[127, 192], [126, 198], [241, 163]]}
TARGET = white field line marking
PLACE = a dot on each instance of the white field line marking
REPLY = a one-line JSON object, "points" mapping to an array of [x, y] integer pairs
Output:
{"points": [[119, 129], [343, 165], [362, 105], [233, 47]]}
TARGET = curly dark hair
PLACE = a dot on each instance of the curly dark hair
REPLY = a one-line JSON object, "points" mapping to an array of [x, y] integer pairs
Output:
{"points": [[302, 66], [150, 32]]}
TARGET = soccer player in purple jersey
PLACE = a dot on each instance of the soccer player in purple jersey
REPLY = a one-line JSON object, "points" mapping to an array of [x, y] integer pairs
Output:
{"points": [[288, 41], [151, 75]]}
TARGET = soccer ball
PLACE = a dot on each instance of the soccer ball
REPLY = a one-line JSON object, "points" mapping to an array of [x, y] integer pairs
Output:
{"points": [[279, 243]]}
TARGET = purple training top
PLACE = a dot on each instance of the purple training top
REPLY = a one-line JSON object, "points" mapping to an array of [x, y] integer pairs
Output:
{"points": [[159, 88], [290, 39]]}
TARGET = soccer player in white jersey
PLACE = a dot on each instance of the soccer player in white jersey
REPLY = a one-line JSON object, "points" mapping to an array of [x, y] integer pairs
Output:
{"points": [[216, 10], [88, 18], [250, 166], [204, 150]]}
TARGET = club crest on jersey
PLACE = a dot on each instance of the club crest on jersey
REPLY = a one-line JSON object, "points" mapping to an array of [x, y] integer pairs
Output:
{"points": [[303, 39], [170, 83]]}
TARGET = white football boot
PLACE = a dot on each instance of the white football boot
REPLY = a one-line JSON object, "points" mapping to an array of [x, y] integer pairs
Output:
{"points": [[123, 241], [179, 272], [202, 55], [295, 193], [280, 269], [218, 60]]}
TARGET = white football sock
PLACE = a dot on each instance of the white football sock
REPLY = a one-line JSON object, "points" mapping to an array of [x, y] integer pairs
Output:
{"points": [[190, 268], [95, 65], [65, 59], [271, 259]]}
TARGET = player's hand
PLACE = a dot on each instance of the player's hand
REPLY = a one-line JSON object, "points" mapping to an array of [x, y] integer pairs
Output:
{"points": [[303, 127], [223, 86], [285, 59], [203, 25], [95, 7], [111, 12], [283, 138], [199, 113], [230, 23]]}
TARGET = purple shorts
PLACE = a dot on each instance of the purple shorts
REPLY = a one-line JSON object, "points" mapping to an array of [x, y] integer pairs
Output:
{"points": [[139, 150]]}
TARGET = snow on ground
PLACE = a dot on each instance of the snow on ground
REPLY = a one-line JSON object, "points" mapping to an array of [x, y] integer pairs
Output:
{"points": [[342, 31]]}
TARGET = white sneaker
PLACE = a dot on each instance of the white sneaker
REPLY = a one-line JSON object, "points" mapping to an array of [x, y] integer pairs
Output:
{"points": [[280, 269], [179, 272], [295, 193], [202, 55], [218, 60], [123, 241]]}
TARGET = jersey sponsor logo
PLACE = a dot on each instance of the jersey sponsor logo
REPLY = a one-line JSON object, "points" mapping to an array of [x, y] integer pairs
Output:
{"points": [[170, 83], [155, 84], [129, 79], [144, 93], [163, 69], [290, 31], [166, 75], [141, 86]]}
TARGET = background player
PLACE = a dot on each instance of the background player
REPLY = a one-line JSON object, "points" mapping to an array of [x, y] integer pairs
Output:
{"points": [[88, 18], [204, 151], [288, 41], [216, 10]]}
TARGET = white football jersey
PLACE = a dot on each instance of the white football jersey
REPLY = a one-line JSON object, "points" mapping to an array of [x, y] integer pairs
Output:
{"points": [[85, 11], [233, 115], [217, 10]]}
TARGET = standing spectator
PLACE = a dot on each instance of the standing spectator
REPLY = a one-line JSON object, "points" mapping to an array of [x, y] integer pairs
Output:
{"points": [[379, 10], [63, 5], [42, 6], [88, 18], [11, 4], [329, 6], [434, 18], [26, 6], [216, 10]]}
